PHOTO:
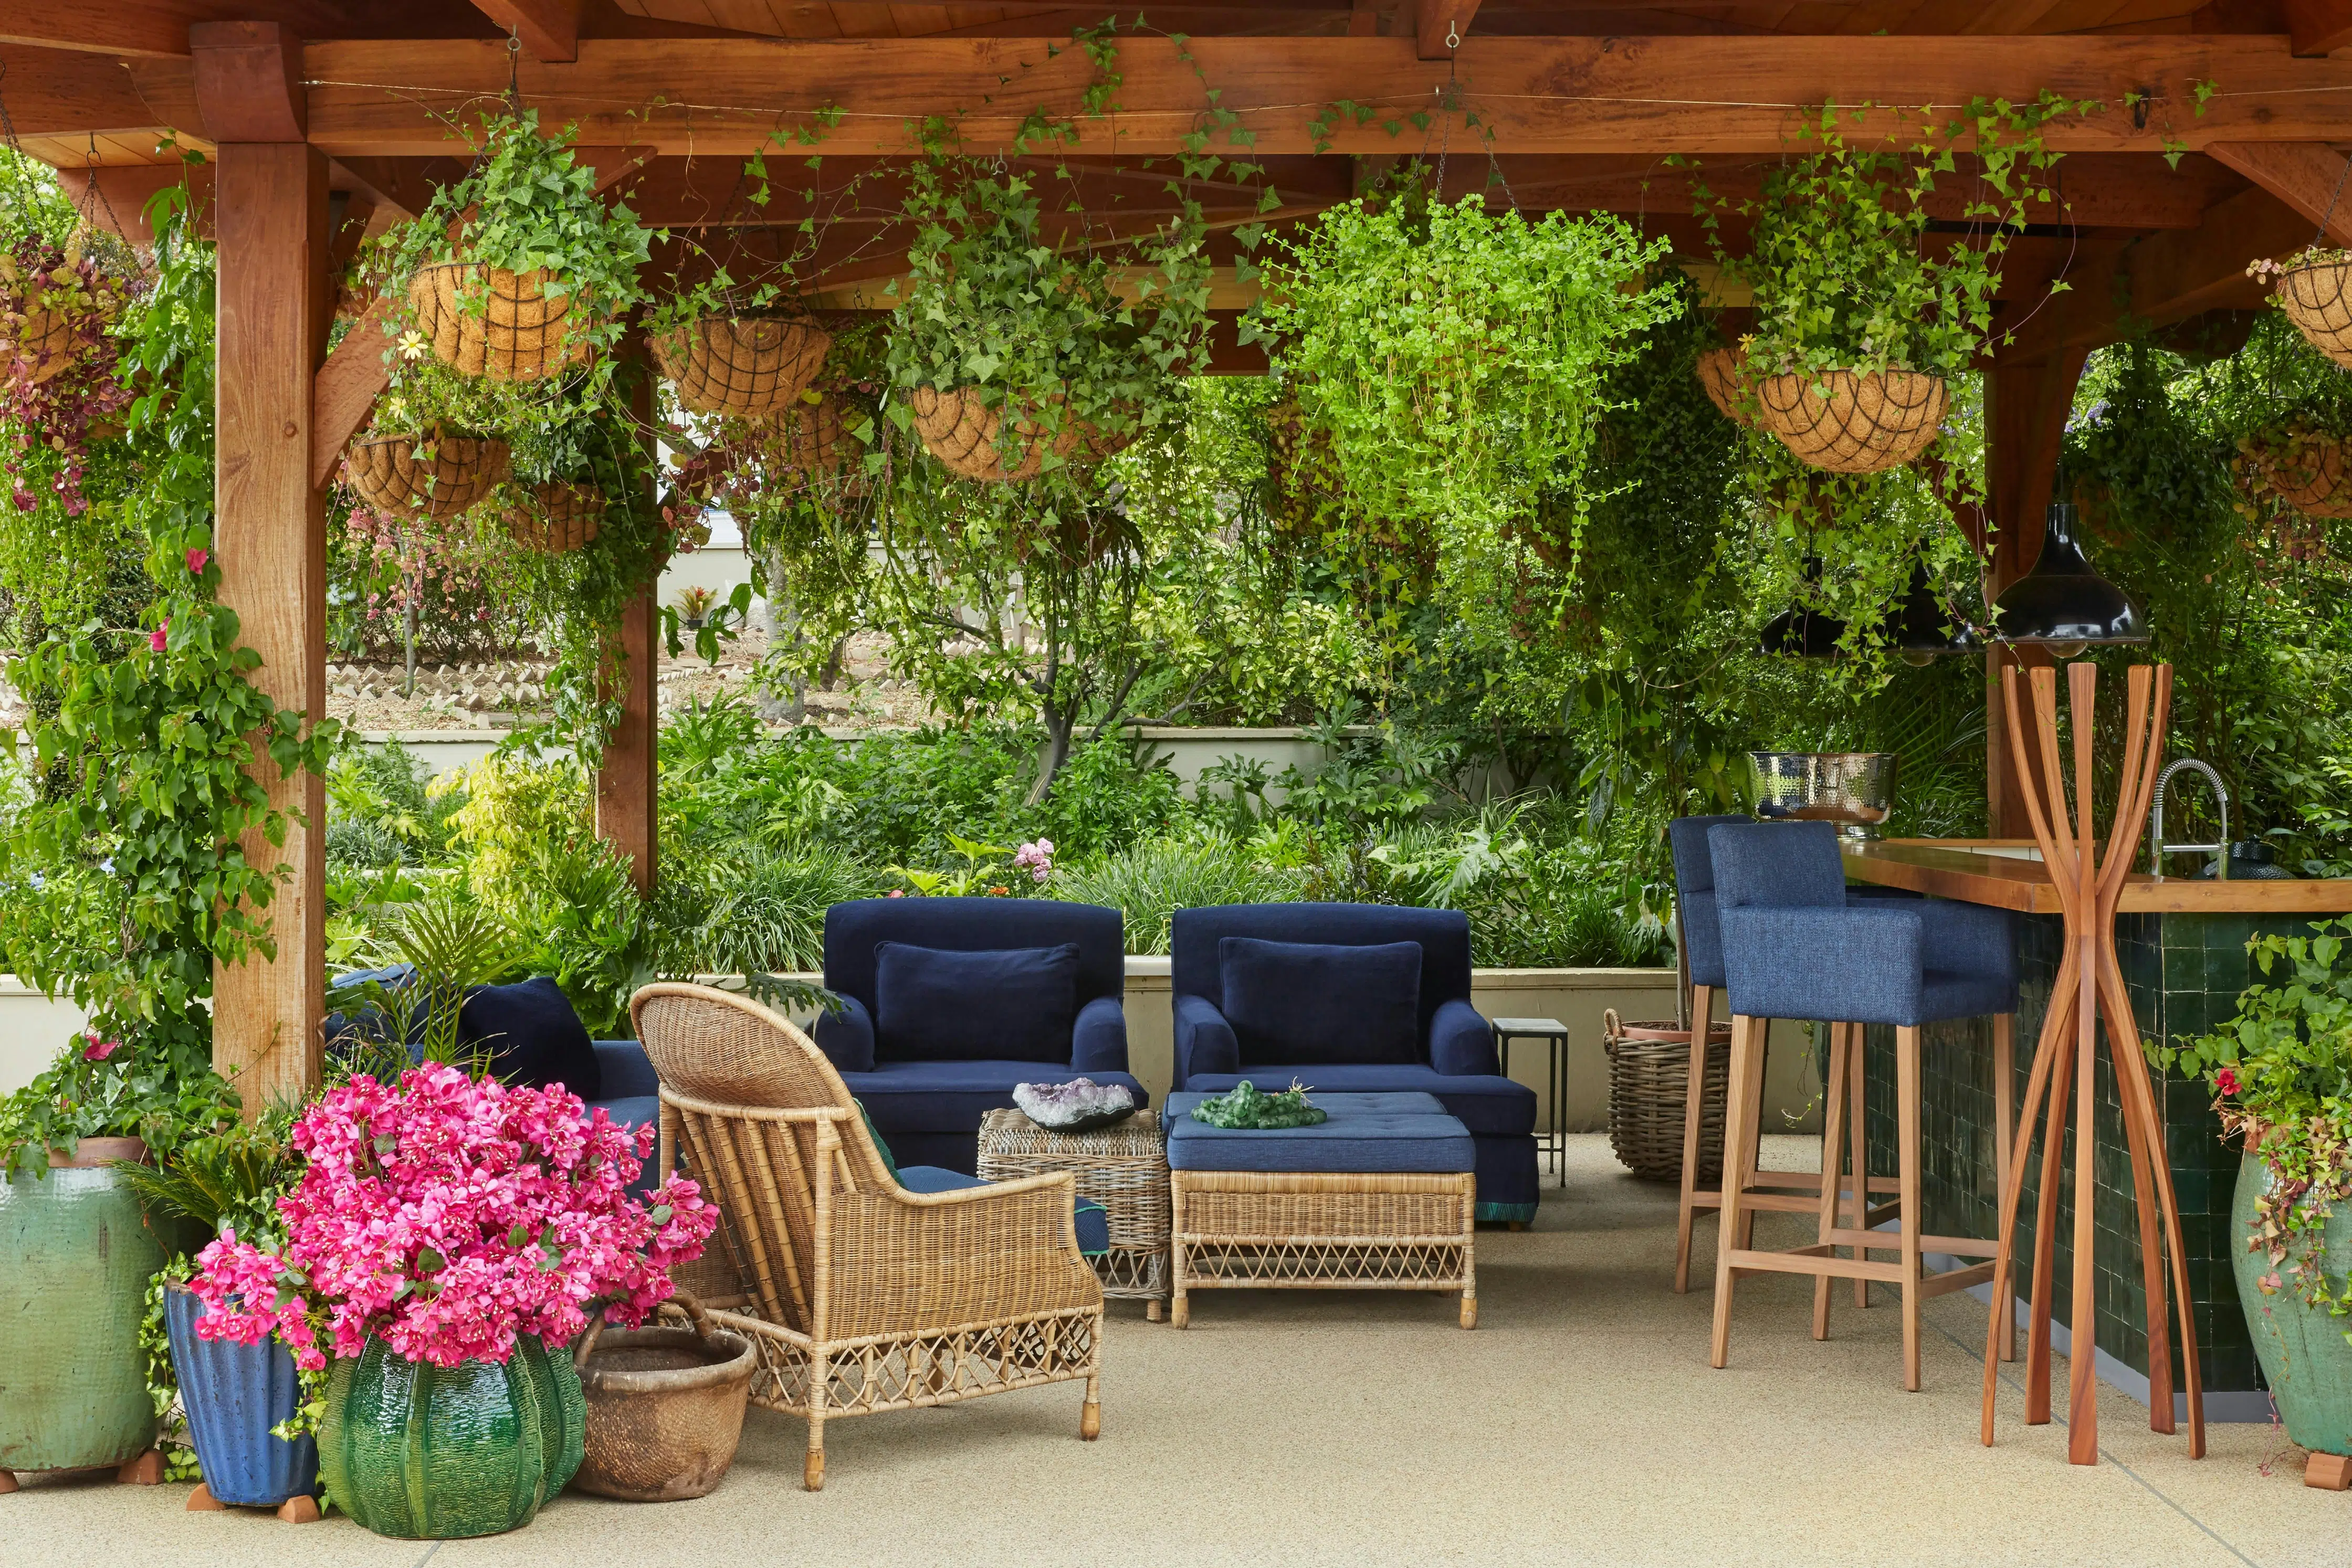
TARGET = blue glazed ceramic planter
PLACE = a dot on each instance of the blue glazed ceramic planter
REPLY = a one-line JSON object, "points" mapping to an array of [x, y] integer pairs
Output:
{"points": [[234, 1394]]}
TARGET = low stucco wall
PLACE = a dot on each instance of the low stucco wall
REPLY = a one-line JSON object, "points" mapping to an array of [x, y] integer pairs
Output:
{"points": [[33, 1030]]}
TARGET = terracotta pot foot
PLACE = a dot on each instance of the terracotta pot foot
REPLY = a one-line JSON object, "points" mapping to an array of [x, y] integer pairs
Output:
{"points": [[302, 1510], [202, 1500], [146, 1470], [2328, 1472], [8, 1482]]}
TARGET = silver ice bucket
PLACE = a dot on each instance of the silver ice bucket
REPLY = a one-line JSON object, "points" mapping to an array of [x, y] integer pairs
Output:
{"points": [[1853, 788]]}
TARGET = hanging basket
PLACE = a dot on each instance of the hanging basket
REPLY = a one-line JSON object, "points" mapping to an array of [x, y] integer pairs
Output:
{"points": [[1868, 423], [2309, 470], [564, 517], [41, 340], [960, 430], [1081, 540], [1722, 373], [806, 441], [520, 334], [1649, 1083], [2318, 300], [741, 364], [391, 476]]}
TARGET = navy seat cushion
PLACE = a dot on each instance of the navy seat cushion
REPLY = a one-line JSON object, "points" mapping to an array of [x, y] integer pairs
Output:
{"points": [[936, 1005], [1094, 1220], [1321, 1002], [952, 1096], [534, 1036], [1364, 1133], [1490, 1105]]}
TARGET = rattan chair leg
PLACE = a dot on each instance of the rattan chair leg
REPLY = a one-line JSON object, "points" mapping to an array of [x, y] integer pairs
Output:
{"points": [[1090, 1413], [1833, 1112], [1739, 1137], [1906, 1117]]}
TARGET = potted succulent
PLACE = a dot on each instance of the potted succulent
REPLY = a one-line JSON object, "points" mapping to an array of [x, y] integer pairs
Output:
{"points": [[441, 1249]]}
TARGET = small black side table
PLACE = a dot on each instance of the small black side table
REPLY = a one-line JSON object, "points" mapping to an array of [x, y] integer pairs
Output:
{"points": [[1554, 1034]]}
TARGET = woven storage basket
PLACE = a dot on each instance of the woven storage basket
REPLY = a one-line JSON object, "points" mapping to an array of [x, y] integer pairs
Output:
{"points": [[1868, 423], [389, 476], [566, 519], [741, 364], [2309, 471], [1649, 1075], [2318, 300], [960, 430], [1722, 373], [520, 335]]}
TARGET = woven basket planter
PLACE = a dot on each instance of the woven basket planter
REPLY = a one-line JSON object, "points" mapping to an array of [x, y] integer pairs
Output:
{"points": [[520, 335], [43, 342], [566, 517], [1868, 423], [806, 440], [2311, 471], [960, 430], [1649, 1076], [391, 477], [1722, 373], [741, 364], [2318, 300]]}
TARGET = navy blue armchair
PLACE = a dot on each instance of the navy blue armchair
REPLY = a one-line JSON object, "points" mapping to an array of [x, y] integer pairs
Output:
{"points": [[950, 1002], [1351, 998]]}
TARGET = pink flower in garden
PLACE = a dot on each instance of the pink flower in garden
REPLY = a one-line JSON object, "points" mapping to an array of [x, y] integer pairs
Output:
{"points": [[898, 893], [157, 638], [198, 556], [96, 1051], [2226, 1080], [1037, 858]]}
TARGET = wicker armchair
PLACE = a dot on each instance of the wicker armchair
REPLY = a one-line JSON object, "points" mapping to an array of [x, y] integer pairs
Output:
{"points": [[860, 1295]]}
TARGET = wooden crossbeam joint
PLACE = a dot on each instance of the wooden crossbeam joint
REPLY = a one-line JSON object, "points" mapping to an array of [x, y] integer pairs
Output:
{"points": [[548, 29], [2319, 27], [248, 78]]}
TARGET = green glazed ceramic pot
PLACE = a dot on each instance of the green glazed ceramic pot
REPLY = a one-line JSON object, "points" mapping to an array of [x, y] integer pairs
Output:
{"points": [[75, 1259], [432, 1453], [2301, 1348]]}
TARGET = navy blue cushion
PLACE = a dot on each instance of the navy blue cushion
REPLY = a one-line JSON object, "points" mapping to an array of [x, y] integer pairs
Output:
{"points": [[855, 929], [534, 1037], [1094, 1220], [1444, 935], [1364, 1133], [1702, 939], [952, 1096], [625, 1070], [1489, 1104], [932, 1004], [1314, 1002]]}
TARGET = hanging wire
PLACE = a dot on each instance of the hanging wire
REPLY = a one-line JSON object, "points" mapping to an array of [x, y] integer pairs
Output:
{"points": [[2321, 237]]}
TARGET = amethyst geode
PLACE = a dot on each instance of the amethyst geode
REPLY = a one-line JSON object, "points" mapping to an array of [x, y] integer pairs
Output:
{"points": [[1081, 1105]]}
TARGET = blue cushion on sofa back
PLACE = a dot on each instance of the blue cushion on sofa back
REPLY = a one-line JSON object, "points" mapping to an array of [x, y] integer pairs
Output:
{"points": [[1014, 1004], [1315, 1002], [534, 1036]]}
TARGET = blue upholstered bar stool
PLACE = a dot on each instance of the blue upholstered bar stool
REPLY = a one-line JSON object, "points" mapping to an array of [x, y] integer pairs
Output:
{"points": [[1795, 946], [1701, 943]]}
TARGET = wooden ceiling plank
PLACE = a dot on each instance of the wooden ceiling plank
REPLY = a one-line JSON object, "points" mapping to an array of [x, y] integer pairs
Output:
{"points": [[2319, 27], [549, 29], [101, 26]]}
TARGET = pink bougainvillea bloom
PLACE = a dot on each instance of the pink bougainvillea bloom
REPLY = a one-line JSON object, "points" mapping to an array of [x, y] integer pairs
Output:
{"points": [[198, 556], [99, 1050], [2226, 1080], [157, 638], [898, 893]]}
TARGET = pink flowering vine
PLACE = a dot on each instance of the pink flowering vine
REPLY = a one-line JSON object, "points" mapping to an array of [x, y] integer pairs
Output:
{"points": [[446, 1218], [160, 636], [196, 558], [98, 1049]]}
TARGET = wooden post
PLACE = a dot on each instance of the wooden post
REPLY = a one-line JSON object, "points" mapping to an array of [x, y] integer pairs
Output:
{"points": [[628, 780], [271, 528]]}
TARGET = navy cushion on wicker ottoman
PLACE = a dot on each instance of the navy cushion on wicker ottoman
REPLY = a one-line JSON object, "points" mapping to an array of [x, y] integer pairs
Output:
{"points": [[1365, 1132]]}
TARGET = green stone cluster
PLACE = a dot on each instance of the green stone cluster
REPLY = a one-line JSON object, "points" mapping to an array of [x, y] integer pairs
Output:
{"points": [[1246, 1105]]}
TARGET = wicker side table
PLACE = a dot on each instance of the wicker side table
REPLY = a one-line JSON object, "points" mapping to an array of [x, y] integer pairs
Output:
{"points": [[1124, 1168]]}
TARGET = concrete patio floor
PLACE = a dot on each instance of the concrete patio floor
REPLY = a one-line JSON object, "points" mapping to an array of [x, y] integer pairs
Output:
{"points": [[1579, 1424]]}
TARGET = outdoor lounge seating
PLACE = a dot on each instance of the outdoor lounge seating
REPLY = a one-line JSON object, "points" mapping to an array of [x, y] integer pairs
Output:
{"points": [[863, 1291], [1351, 998], [950, 1002]]}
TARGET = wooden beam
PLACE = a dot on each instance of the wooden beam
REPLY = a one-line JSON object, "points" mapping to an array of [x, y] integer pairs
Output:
{"points": [[549, 29], [271, 538], [347, 384], [1440, 27], [628, 775], [2309, 176], [248, 80], [54, 93], [2318, 27], [102, 28], [1691, 95]]}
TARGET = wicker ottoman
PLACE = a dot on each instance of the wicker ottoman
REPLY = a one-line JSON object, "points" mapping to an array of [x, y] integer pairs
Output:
{"points": [[1268, 1208], [1124, 1168]]}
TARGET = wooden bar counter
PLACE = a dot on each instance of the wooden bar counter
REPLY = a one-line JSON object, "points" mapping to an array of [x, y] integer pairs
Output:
{"points": [[2182, 944]]}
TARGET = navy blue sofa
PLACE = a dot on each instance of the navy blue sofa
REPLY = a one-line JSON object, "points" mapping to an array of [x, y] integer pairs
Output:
{"points": [[929, 1062], [1442, 1048]]}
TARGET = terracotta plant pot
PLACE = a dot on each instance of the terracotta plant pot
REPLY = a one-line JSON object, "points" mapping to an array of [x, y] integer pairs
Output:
{"points": [[958, 428], [392, 475], [2300, 1347], [1866, 423], [516, 331], [741, 364], [567, 519], [665, 1407], [75, 1259], [428, 1453], [2318, 300]]}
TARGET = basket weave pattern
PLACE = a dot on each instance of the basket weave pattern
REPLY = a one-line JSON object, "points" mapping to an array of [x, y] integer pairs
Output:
{"points": [[958, 428], [1868, 423], [741, 364], [1649, 1078], [43, 342], [2318, 300], [520, 334], [389, 476], [1124, 1168], [1722, 374], [2311, 471], [564, 517], [1325, 1231]]}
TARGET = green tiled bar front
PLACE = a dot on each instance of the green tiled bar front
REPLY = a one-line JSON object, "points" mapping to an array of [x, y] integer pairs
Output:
{"points": [[2184, 973]]}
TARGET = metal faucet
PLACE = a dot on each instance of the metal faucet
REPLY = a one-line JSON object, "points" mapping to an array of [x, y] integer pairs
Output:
{"points": [[2158, 848]]}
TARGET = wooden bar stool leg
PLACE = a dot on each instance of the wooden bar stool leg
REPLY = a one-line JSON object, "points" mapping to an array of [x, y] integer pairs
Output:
{"points": [[1833, 1109], [1694, 1104], [1907, 1116], [2004, 1074], [1857, 1104], [1740, 1140], [1761, 1029]]}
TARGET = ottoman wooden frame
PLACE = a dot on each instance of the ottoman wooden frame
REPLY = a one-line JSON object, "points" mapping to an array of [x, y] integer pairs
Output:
{"points": [[1324, 1231]]}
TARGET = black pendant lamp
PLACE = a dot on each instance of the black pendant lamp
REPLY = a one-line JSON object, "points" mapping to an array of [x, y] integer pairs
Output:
{"points": [[1798, 632], [2062, 604], [1921, 629]]}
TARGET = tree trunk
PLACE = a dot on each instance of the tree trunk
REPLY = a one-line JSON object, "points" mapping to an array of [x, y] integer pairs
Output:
{"points": [[1058, 724], [789, 706]]}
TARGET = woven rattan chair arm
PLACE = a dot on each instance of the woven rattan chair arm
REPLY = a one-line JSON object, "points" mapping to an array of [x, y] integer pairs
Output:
{"points": [[758, 1113]]}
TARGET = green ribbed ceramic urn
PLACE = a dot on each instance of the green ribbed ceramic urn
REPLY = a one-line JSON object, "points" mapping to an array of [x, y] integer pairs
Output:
{"points": [[2301, 1348], [433, 1453]]}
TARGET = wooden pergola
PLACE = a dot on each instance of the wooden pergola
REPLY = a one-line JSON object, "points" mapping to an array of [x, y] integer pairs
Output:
{"points": [[327, 119]]}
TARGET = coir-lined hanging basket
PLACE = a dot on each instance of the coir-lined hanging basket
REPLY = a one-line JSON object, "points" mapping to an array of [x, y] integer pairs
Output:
{"points": [[1867, 423], [437, 475], [40, 339], [1723, 373], [958, 428], [2309, 470], [2318, 300], [487, 321], [563, 518], [1649, 1080], [741, 364], [806, 441]]}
